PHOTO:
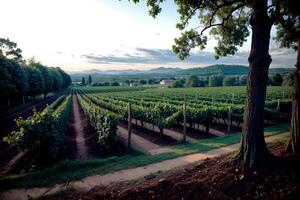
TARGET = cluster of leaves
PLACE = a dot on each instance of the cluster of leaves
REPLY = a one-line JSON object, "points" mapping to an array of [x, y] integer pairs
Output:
{"points": [[43, 130], [103, 121]]}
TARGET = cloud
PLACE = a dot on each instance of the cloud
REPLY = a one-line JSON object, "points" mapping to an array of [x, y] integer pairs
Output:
{"points": [[281, 58]]}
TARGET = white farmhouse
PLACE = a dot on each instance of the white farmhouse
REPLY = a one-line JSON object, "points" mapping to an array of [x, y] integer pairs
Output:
{"points": [[166, 83]]}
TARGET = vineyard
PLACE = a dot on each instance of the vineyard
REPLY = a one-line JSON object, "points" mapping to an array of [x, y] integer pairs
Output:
{"points": [[98, 123], [203, 109]]}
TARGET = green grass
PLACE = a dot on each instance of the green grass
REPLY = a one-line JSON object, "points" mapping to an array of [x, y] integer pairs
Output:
{"points": [[70, 170]]}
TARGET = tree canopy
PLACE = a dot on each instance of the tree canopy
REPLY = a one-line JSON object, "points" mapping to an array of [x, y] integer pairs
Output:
{"points": [[18, 79]]}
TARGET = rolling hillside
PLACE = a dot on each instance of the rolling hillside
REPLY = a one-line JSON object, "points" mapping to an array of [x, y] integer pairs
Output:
{"points": [[168, 72]]}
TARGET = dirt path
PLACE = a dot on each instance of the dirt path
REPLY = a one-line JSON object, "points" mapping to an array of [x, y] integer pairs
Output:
{"points": [[78, 124], [140, 143], [171, 133], [123, 175], [9, 166]]}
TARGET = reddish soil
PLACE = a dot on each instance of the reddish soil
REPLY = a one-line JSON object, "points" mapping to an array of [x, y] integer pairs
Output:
{"points": [[152, 136], [83, 138], [81, 135], [218, 178], [221, 126]]}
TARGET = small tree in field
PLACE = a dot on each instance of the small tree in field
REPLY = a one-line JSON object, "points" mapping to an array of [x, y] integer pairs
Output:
{"points": [[192, 81], [83, 81], [227, 21], [90, 80]]}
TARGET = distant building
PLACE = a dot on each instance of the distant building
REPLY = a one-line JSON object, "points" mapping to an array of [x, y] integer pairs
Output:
{"points": [[134, 84], [166, 83], [123, 84]]}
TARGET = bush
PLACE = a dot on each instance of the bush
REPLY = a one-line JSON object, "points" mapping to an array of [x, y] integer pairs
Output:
{"points": [[43, 130]]}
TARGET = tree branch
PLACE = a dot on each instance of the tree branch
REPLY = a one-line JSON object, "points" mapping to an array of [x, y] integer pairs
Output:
{"points": [[223, 20]]}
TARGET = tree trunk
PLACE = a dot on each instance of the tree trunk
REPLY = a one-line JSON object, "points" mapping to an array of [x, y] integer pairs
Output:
{"points": [[253, 150], [294, 141]]}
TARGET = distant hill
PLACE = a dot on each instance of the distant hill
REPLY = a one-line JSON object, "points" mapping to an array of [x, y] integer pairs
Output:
{"points": [[169, 72], [226, 70], [159, 70], [165, 70]]}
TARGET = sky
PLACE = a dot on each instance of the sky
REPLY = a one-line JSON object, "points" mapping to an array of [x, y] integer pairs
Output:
{"points": [[80, 35]]}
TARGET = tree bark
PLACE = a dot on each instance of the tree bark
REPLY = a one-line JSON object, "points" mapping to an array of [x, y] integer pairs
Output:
{"points": [[294, 141], [253, 150]]}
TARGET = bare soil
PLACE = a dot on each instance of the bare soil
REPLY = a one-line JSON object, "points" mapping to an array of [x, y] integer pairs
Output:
{"points": [[217, 178], [150, 135], [194, 133]]}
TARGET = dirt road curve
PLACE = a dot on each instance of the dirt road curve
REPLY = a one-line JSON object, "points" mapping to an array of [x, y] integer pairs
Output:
{"points": [[123, 175]]}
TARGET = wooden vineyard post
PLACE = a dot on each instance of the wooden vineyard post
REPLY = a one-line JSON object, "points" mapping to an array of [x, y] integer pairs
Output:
{"points": [[278, 103], [129, 124], [8, 103], [184, 119], [229, 119], [232, 98]]}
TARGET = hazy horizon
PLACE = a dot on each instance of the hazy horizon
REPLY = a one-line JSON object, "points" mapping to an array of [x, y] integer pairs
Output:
{"points": [[109, 35]]}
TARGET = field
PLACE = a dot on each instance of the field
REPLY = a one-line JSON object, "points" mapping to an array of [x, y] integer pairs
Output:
{"points": [[87, 130]]}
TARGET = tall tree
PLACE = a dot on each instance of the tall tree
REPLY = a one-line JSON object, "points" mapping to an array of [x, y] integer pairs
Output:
{"points": [[35, 81], [288, 35], [6, 83], [228, 23], [192, 81], [10, 50], [56, 77], [215, 80], [90, 80], [83, 81], [48, 81]]}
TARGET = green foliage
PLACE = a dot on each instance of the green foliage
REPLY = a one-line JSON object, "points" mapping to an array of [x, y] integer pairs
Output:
{"points": [[48, 80], [215, 81], [83, 81], [193, 81], [277, 79], [143, 82], [6, 83], [163, 108], [57, 78], [288, 80], [288, 29], [178, 83], [90, 80], [43, 130], [9, 50], [35, 81], [104, 122], [18, 80], [226, 20], [243, 80], [115, 84], [230, 81]]}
